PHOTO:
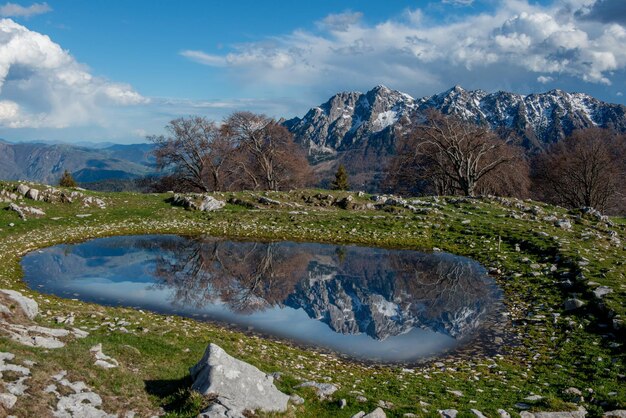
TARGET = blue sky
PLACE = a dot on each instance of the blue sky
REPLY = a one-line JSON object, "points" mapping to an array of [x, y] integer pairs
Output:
{"points": [[118, 70]]}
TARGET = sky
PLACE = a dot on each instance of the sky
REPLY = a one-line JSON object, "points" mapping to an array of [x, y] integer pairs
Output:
{"points": [[116, 71]]}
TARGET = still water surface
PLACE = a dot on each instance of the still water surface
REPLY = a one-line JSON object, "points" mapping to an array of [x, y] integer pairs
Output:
{"points": [[368, 303]]}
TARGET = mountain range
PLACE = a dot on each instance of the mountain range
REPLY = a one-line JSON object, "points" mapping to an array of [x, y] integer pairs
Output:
{"points": [[46, 162], [353, 120], [356, 129]]}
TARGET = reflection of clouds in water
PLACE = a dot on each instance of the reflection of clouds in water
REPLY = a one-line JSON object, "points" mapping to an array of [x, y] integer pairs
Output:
{"points": [[365, 299]]}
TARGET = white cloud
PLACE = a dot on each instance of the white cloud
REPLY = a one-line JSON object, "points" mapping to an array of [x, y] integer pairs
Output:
{"points": [[458, 2], [16, 10], [340, 22], [518, 43], [544, 80], [42, 85]]}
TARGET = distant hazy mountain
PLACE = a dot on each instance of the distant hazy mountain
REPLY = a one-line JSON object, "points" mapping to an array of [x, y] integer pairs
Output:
{"points": [[46, 162], [366, 121]]}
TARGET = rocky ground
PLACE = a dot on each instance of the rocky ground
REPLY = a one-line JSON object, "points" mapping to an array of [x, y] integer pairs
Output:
{"points": [[562, 273]]}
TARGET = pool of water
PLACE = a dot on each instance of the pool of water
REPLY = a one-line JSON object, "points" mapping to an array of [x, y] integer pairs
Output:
{"points": [[367, 303]]}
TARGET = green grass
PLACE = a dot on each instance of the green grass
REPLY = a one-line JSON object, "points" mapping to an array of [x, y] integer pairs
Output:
{"points": [[550, 350]]}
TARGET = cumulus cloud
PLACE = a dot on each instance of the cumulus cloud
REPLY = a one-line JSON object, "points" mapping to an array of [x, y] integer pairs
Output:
{"points": [[16, 10], [42, 85], [605, 11], [517, 43]]}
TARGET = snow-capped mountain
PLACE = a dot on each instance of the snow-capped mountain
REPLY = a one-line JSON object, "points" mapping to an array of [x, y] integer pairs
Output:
{"points": [[367, 120], [352, 119]]}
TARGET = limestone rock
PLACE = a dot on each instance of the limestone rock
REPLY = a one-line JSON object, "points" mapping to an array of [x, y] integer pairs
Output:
{"points": [[15, 208], [323, 390], [7, 400], [618, 413], [478, 413], [448, 413], [602, 291], [33, 194], [102, 360], [376, 413], [22, 189], [563, 223], [562, 414], [572, 304], [209, 203], [28, 305], [239, 386]]}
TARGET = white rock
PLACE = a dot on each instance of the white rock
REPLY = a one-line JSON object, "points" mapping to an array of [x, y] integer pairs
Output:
{"points": [[33, 194], [102, 360], [376, 413], [7, 400], [28, 305], [478, 413], [239, 386], [209, 203], [323, 390], [23, 189]]}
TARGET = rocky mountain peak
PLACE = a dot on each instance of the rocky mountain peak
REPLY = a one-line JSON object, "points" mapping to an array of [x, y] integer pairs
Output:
{"points": [[358, 121]]}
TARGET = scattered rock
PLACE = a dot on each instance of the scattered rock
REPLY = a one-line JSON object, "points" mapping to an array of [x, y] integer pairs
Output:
{"points": [[574, 394], [323, 390], [503, 414], [7, 400], [82, 403], [376, 413], [94, 201], [563, 224], [457, 393], [296, 399], [602, 291], [572, 304], [102, 360], [22, 189], [267, 201], [342, 403], [346, 202], [28, 305], [209, 204], [15, 208], [32, 194], [477, 413], [239, 386], [194, 201], [565, 414], [618, 413], [448, 413]]}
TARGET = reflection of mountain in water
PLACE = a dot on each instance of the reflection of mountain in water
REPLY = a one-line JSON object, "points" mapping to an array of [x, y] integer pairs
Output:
{"points": [[392, 295], [354, 290]]}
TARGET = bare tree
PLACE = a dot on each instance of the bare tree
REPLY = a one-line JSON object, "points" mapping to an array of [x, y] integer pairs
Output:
{"points": [[196, 151], [585, 169], [447, 155], [267, 156]]}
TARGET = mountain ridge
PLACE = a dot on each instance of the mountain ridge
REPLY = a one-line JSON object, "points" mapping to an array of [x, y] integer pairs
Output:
{"points": [[351, 120]]}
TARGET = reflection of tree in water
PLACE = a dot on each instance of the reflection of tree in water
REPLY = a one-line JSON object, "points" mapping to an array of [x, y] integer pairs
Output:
{"points": [[246, 276], [352, 289]]}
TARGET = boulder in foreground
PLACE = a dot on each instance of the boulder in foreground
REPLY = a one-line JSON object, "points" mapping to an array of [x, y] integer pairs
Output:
{"points": [[238, 386]]}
